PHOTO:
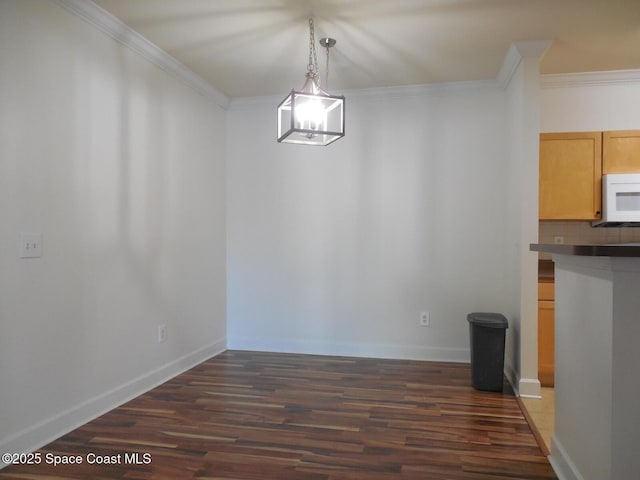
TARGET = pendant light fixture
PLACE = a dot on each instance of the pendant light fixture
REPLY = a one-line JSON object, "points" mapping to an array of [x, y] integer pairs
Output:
{"points": [[311, 116]]}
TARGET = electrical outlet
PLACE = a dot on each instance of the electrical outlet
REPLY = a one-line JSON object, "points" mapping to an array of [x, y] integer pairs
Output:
{"points": [[558, 239], [162, 333], [30, 245], [424, 319]]}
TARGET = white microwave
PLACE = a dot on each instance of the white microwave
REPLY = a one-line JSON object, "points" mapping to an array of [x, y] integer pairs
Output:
{"points": [[620, 200]]}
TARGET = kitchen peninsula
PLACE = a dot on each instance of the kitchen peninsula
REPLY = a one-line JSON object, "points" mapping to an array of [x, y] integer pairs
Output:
{"points": [[597, 354]]}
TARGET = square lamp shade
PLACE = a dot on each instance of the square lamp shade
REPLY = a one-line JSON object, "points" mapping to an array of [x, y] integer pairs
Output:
{"points": [[311, 118]]}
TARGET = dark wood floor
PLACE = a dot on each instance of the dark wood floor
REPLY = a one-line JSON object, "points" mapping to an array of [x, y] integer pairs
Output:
{"points": [[267, 416]]}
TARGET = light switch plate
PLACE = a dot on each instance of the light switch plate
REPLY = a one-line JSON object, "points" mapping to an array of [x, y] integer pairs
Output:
{"points": [[30, 245]]}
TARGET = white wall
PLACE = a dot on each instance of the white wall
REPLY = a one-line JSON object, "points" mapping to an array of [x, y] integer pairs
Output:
{"points": [[121, 167], [338, 249], [590, 102]]}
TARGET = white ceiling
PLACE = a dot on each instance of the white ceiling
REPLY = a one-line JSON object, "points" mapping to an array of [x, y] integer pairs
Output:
{"points": [[260, 47]]}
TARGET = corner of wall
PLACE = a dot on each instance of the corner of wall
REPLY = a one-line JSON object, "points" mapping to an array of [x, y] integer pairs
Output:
{"points": [[517, 51], [38, 435], [561, 463], [119, 31], [521, 77], [529, 387]]}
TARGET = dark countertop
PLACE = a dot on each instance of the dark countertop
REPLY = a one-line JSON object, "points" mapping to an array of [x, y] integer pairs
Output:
{"points": [[602, 250]]}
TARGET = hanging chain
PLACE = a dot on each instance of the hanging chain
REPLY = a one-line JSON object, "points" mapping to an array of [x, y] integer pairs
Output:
{"points": [[313, 56]]}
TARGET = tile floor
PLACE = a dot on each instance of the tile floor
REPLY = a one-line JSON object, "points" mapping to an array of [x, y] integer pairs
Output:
{"points": [[542, 412]]}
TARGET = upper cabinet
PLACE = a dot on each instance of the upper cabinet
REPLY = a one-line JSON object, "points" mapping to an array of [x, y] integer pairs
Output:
{"points": [[570, 176], [621, 152], [571, 169]]}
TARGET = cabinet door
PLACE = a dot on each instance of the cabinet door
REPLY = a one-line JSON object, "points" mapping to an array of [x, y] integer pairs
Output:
{"points": [[546, 342], [621, 151], [570, 176], [546, 291]]}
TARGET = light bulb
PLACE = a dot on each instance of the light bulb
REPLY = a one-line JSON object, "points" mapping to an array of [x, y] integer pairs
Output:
{"points": [[310, 114]]}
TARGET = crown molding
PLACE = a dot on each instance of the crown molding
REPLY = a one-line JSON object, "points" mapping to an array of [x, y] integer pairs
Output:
{"points": [[517, 51], [122, 33], [238, 103], [425, 89], [512, 60], [119, 31], [590, 79]]}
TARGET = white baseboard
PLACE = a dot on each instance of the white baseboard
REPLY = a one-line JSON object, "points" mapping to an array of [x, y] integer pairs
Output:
{"points": [[36, 436], [522, 387], [347, 349], [529, 387], [562, 465]]}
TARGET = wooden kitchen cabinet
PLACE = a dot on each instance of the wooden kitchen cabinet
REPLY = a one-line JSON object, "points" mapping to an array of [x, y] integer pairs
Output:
{"points": [[546, 334], [621, 151], [570, 176]]}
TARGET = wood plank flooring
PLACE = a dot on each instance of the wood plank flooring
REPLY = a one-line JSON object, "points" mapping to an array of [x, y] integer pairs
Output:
{"points": [[268, 416]]}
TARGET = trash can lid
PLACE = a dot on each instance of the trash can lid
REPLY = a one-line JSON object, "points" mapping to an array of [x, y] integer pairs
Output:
{"points": [[489, 320]]}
